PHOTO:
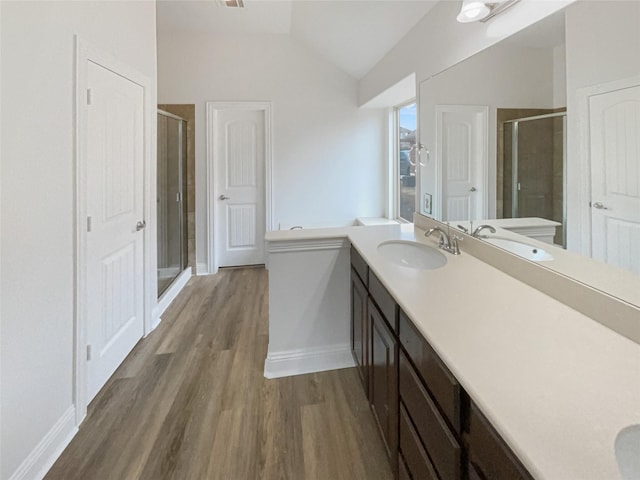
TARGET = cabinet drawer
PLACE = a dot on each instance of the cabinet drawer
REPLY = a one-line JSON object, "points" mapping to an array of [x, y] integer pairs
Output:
{"points": [[412, 452], [403, 474], [440, 443], [489, 455], [384, 301], [441, 383], [360, 266]]}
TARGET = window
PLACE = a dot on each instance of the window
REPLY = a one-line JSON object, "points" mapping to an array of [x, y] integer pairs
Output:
{"points": [[406, 154]]}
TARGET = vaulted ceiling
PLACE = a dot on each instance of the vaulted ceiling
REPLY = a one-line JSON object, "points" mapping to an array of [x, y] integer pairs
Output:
{"points": [[353, 34]]}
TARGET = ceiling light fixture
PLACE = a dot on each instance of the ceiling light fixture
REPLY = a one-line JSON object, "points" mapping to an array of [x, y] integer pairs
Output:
{"points": [[482, 10]]}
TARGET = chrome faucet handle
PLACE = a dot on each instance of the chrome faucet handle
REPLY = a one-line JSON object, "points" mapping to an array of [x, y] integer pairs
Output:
{"points": [[455, 249], [444, 238], [464, 229], [476, 232]]}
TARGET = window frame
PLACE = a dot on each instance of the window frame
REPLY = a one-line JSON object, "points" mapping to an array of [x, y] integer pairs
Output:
{"points": [[395, 160]]}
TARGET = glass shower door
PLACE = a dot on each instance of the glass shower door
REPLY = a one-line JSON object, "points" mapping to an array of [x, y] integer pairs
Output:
{"points": [[534, 163], [170, 205]]}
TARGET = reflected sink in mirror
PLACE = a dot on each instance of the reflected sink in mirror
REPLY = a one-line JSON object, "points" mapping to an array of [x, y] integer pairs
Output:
{"points": [[412, 254], [530, 252], [627, 447]]}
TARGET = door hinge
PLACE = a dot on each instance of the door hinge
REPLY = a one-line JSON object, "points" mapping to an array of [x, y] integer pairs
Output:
{"points": [[89, 97], [88, 353], [88, 224]]}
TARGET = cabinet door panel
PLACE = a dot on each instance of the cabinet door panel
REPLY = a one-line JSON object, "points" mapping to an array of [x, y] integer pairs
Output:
{"points": [[383, 381], [359, 329]]}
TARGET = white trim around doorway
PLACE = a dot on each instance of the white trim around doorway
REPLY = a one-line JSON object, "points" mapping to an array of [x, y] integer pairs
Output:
{"points": [[212, 108]]}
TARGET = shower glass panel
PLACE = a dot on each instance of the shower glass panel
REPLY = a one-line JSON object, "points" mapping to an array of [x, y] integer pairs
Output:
{"points": [[172, 231], [534, 169]]}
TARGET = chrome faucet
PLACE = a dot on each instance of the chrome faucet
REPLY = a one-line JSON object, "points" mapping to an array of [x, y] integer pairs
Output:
{"points": [[450, 244], [476, 232]]}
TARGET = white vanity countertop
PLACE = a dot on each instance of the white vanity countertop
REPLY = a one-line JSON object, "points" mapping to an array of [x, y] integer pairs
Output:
{"points": [[555, 384]]}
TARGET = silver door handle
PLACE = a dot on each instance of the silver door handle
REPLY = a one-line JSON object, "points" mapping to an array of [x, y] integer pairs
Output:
{"points": [[141, 225], [473, 189], [599, 206], [223, 197]]}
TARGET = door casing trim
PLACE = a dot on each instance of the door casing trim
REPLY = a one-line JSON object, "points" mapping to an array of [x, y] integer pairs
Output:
{"points": [[211, 193], [578, 192], [86, 52]]}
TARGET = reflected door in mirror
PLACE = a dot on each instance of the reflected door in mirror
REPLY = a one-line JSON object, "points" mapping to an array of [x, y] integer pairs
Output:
{"points": [[614, 121]]}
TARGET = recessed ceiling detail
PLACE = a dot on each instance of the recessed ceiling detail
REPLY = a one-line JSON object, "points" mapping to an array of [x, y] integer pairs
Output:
{"points": [[352, 34]]}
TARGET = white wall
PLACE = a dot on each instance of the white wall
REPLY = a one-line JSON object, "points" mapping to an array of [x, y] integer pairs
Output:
{"points": [[560, 76], [499, 77], [37, 217], [328, 155], [438, 41], [603, 45], [309, 307]]}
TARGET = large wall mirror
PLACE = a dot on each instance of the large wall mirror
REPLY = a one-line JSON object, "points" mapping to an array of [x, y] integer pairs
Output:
{"points": [[539, 136]]}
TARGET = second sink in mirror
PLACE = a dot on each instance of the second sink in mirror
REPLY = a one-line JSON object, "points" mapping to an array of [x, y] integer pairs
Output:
{"points": [[530, 252]]}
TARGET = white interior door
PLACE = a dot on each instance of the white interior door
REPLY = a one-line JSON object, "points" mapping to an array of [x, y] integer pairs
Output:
{"points": [[240, 186], [462, 157], [614, 132], [115, 156]]}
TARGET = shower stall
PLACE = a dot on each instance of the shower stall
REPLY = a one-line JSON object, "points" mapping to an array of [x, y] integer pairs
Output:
{"points": [[535, 169], [171, 202]]}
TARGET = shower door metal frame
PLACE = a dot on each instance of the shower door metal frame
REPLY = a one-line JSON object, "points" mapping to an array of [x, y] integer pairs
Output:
{"points": [[514, 164], [183, 258]]}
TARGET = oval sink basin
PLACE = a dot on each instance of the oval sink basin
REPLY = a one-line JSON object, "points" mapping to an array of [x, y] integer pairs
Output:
{"points": [[627, 446], [530, 252], [412, 254]]}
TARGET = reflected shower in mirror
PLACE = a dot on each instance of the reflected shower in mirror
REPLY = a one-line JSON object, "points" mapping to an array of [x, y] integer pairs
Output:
{"points": [[171, 205], [544, 127], [530, 166]]}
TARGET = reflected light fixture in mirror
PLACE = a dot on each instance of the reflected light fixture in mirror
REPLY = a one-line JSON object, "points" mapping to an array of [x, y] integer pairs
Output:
{"points": [[481, 10]]}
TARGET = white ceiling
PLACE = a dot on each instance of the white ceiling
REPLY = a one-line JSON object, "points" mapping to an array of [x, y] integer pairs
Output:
{"points": [[353, 34]]}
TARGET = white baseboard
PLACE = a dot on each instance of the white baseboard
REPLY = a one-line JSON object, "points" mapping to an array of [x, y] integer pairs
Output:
{"points": [[202, 269], [308, 360], [169, 296], [41, 459]]}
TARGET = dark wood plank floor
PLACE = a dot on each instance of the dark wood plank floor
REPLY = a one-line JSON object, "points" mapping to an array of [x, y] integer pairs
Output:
{"points": [[191, 402]]}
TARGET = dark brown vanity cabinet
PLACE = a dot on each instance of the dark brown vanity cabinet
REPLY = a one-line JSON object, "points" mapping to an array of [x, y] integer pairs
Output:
{"points": [[489, 456], [383, 380], [430, 428], [359, 327], [430, 406], [375, 349]]}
